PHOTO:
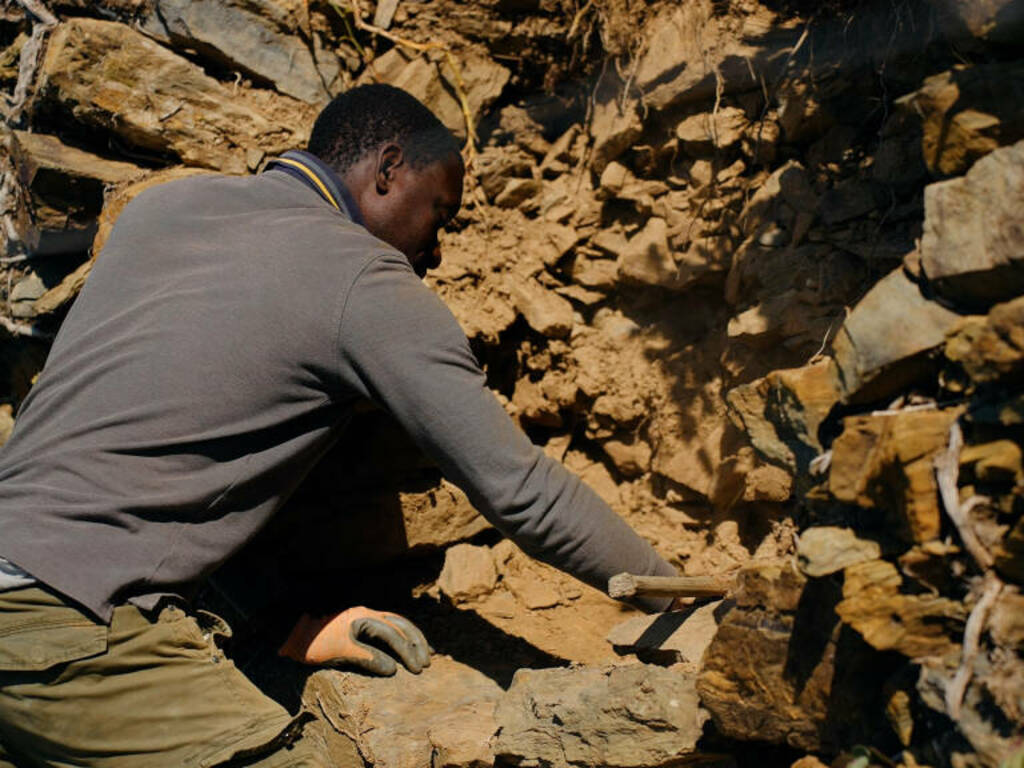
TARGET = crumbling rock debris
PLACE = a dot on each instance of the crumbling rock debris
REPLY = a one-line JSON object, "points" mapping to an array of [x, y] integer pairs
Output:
{"points": [[544, 311], [972, 249], [630, 717], [17, 235], [690, 53], [782, 669], [614, 128], [66, 186], [990, 716], [990, 348], [965, 113], [997, 20], [6, 422], [431, 80]]}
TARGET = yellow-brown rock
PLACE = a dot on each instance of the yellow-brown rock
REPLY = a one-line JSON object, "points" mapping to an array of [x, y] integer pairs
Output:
{"points": [[995, 463], [992, 347], [111, 77], [782, 412], [885, 461], [966, 113], [915, 625]]}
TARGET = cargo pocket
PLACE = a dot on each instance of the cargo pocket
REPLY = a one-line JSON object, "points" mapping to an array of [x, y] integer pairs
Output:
{"points": [[38, 631]]}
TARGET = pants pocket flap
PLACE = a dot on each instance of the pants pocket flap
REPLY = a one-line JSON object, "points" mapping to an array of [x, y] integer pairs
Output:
{"points": [[34, 648]]}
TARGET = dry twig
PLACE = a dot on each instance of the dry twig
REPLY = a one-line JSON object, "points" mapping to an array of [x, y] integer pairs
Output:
{"points": [[972, 637], [947, 468]]}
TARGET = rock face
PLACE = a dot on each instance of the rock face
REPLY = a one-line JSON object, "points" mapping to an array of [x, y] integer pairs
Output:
{"points": [[632, 716], [442, 717], [688, 45], [267, 39], [883, 345], [972, 249], [106, 75]]}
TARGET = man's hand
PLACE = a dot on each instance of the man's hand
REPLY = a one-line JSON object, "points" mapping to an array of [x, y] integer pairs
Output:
{"points": [[333, 640]]}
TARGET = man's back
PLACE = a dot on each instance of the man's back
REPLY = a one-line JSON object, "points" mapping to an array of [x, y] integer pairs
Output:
{"points": [[194, 379]]}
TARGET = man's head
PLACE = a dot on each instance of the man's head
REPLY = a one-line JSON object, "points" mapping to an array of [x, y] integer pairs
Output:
{"points": [[401, 164]]}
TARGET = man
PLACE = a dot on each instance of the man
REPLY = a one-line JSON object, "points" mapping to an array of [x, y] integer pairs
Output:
{"points": [[225, 334]]}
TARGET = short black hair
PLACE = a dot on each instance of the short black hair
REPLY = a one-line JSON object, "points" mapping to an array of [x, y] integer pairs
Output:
{"points": [[361, 119]]}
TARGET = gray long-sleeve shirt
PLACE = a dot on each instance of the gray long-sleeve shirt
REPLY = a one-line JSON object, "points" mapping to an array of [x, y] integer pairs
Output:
{"points": [[217, 350]]}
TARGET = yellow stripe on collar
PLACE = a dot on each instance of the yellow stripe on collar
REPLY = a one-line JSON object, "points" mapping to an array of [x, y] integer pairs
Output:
{"points": [[312, 177]]}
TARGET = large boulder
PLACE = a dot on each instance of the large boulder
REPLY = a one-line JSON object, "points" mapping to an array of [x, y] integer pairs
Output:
{"points": [[972, 248], [110, 77], [265, 39], [635, 716], [443, 716]]}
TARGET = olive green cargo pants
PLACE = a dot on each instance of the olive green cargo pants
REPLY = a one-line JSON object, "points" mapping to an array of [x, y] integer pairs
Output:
{"points": [[151, 692]]}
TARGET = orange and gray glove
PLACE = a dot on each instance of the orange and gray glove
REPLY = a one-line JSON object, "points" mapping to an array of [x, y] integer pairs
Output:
{"points": [[335, 640]]}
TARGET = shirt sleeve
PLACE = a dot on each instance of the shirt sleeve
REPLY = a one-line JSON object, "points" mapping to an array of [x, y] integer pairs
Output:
{"points": [[401, 346]]}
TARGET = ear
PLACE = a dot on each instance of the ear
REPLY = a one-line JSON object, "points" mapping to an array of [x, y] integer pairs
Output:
{"points": [[389, 159]]}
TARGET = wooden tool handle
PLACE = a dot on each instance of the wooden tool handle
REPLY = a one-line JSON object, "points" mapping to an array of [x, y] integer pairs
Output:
{"points": [[628, 585]]}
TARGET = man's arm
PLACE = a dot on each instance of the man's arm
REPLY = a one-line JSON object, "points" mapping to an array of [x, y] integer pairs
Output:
{"points": [[401, 346]]}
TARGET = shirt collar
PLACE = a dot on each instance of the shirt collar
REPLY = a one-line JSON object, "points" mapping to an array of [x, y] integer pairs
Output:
{"points": [[331, 188]]}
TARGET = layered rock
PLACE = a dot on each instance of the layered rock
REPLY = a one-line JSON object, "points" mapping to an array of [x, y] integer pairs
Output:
{"points": [[108, 76]]}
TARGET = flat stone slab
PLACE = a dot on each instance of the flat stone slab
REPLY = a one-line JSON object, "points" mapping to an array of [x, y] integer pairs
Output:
{"points": [[882, 346], [679, 637]]}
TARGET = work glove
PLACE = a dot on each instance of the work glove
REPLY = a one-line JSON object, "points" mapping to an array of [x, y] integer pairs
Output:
{"points": [[335, 641]]}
